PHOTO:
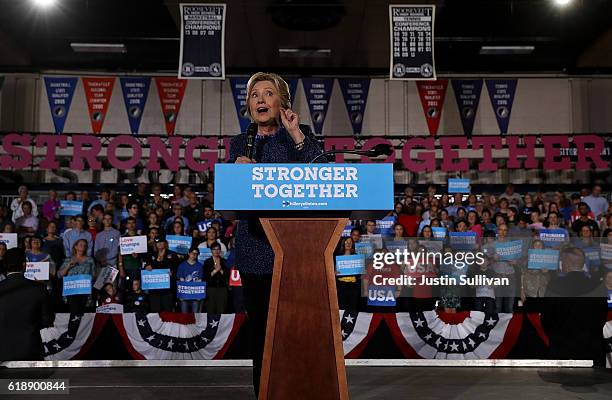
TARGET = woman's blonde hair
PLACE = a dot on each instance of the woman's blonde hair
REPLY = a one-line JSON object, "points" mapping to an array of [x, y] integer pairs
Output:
{"points": [[278, 82], [74, 246]]}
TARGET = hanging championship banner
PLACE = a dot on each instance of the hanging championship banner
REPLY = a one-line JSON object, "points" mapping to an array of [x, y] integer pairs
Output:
{"points": [[501, 93], [98, 91], [239, 90], [59, 94], [355, 94], [432, 99], [467, 93], [202, 54], [170, 91], [135, 92], [412, 42], [318, 92]]}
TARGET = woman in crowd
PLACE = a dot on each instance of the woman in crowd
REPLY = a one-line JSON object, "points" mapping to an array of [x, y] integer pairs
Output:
{"points": [[534, 283], [211, 238], [216, 274], [162, 299], [191, 270], [474, 224], [79, 264], [109, 295], [349, 286], [36, 254]]}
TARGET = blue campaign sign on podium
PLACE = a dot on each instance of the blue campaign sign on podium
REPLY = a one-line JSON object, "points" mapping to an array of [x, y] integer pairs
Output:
{"points": [[298, 187]]}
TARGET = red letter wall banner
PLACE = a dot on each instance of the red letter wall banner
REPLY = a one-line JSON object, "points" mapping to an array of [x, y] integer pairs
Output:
{"points": [[357, 329], [71, 335], [478, 336], [98, 91], [169, 336], [170, 91], [432, 95]]}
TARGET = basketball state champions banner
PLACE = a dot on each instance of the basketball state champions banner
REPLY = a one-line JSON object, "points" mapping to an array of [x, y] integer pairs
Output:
{"points": [[202, 41]]}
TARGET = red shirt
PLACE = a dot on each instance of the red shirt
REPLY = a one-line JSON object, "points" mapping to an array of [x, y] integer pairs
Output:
{"points": [[410, 224]]}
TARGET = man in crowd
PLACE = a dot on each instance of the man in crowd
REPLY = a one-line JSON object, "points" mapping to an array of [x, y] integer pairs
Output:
{"points": [[510, 195], [597, 203], [102, 200], [77, 232], [134, 212], [24, 311], [177, 209], [106, 249], [584, 220]]}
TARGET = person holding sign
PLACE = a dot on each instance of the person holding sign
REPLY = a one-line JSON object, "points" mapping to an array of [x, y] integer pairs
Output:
{"points": [[279, 139], [190, 270], [162, 299], [347, 286], [216, 274], [534, 283], [37, 255], [78, 264]]}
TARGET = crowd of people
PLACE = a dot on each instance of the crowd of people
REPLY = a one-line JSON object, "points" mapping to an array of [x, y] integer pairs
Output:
{"points": [[583, 219], [90, 242]]}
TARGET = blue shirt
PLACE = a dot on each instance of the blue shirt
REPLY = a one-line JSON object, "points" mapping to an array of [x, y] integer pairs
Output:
{"points": [[107, 246], [190, 272], [70, 238]]}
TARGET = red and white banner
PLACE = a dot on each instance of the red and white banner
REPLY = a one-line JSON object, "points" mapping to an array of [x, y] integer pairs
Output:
{"points": [[98, 91], [432, 95], [357, 329], [173, 336], [466, 335], [71, 335], [171, 92]]}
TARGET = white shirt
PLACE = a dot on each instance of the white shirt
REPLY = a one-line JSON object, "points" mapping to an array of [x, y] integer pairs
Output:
{"points": [[18, 211]]}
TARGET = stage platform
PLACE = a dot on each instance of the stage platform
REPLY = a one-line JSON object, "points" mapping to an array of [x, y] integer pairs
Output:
{"points": [[365, 382]]}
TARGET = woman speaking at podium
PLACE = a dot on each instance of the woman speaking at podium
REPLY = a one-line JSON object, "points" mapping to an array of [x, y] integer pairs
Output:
{"points": [[274, 136]]}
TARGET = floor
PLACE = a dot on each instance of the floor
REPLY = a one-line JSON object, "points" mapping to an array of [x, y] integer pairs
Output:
{"points": [[222, 383]]}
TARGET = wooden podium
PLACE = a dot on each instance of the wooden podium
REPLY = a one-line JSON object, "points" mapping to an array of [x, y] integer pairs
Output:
{"points": [[303, 354]]}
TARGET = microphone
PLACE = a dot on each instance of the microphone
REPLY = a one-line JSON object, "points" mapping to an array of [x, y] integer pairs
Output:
{"points": [[250, 140], [378, 150]]}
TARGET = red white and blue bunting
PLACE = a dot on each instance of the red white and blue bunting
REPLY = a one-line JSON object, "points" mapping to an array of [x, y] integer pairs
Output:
{"points": [[71, 335], [470, 335], [356, 329], [169, 336], [173, 336]]}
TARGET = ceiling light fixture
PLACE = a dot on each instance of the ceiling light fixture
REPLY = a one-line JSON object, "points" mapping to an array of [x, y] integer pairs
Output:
{"points": [[44, 3], [311, 53], [562, 3], [506, 50], [98, 47]]}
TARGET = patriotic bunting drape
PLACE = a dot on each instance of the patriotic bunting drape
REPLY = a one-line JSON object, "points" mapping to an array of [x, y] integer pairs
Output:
{"points": [[173, 336]]}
